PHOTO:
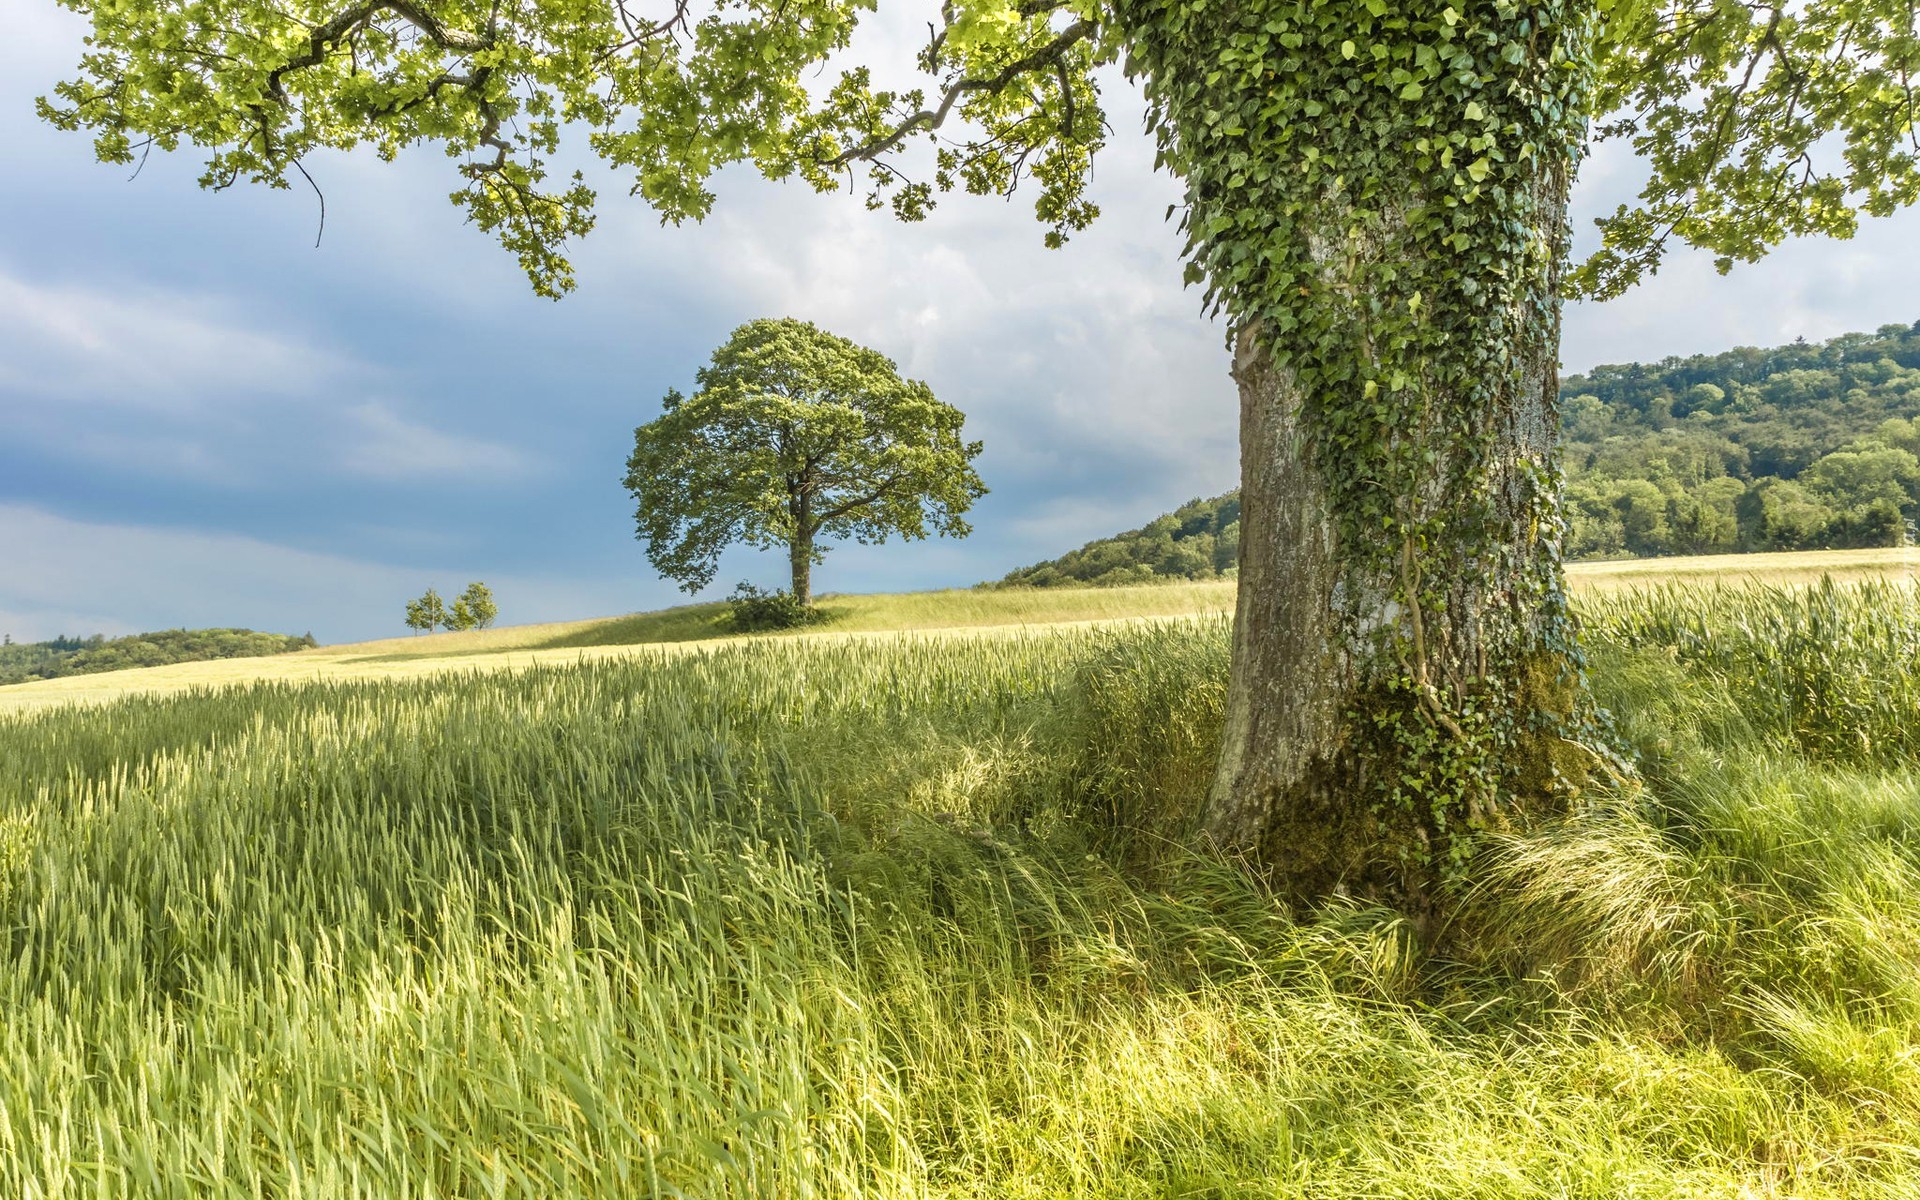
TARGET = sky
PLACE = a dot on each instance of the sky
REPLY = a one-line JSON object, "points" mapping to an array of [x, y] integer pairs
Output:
{"points": [[206, 420]]}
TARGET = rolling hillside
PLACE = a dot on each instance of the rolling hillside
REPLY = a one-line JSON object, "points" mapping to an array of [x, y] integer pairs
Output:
{"points": [[1808, 446], [701, 626]]}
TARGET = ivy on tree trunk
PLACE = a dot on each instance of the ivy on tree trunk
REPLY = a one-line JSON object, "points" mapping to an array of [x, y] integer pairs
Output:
{"points": [[1377, 200]]}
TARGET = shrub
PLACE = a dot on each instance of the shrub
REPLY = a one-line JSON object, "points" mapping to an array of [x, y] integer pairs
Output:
{"points": [[754, 611]]}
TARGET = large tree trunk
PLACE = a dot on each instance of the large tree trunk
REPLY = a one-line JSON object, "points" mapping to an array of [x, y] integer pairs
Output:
{"points": [[1389, 701], [1376, 196]]}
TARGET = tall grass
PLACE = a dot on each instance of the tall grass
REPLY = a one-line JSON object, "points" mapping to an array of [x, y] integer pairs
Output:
{"points": [[905, 917], [1833, 667]]}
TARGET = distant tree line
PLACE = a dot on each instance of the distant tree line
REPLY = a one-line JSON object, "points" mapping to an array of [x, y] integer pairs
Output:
{"points": [[1198, 540], [1801, 447], [1810, 446], [471, 609], [24, 661]]}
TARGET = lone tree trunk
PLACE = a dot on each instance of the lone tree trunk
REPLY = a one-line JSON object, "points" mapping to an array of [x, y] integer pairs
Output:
{"points": [[800, 545], [1379, 204], [800, 558]]}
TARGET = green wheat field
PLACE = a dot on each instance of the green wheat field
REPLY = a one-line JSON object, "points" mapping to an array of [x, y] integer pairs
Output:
{"points": [[915, 915]]}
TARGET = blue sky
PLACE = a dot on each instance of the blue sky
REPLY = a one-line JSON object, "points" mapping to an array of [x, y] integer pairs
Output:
{"points": [[205, 420]]}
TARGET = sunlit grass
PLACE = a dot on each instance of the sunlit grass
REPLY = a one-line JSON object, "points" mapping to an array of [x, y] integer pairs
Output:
{"points": [[964, 608], [670, 630], [913, 916], [1781, 568]]}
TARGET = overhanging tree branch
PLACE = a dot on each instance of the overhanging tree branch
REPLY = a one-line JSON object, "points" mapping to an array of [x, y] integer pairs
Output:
{"points": [[1050, 55], [328, 34]]}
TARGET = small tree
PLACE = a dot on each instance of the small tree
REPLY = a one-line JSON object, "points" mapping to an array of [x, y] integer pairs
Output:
{"points": [[795, 435], [460, 616], [427, 613], [477, 605]]}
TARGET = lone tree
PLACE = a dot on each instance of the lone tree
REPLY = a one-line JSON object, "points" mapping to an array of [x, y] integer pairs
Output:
{"points": [[427, 613], [1376, 198], [795, 435]]}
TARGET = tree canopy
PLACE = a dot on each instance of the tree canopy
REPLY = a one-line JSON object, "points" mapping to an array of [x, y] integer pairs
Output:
{"points": [[473, 609], [1757, 121], [427, 612], [794, 435], [1797, 447]]}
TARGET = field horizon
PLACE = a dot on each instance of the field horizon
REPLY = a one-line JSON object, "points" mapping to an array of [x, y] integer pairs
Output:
{"points": [[696, 626]]}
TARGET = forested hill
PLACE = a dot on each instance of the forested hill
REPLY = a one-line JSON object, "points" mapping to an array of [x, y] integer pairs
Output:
{"points": [[1814, 445], [22, 661], [1799, 447], [1198, 540]]}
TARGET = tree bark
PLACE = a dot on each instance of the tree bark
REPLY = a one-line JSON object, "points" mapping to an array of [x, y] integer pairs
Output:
{"points": [[800, 558], [1347, 687]]}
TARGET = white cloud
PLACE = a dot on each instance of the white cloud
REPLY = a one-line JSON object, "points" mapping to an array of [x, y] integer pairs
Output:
{"points": [[1814, 288], [1089, 367], [388, 446], [146, 350]]}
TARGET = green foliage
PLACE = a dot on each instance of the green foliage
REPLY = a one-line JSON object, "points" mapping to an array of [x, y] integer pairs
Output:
{"points": [[794, 435], [666, 98], [479, 601], [1757, 123], [750, 610], [473, 608], [428, 612], [845, 918], [1736, 108], [23, 661], [1800, 447], [1198, 540]]}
